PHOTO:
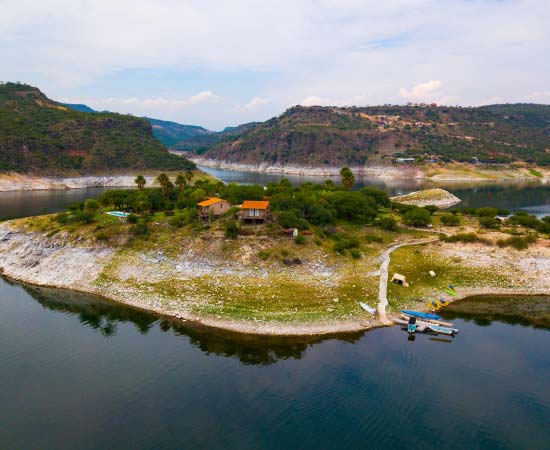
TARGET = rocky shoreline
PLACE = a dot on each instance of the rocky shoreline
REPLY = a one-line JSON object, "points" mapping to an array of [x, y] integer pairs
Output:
{"points": [[20, 182], [37, 258], [396, 172]]}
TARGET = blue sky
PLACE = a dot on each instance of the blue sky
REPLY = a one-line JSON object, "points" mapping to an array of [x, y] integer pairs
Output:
{"points": [[221, 63]]}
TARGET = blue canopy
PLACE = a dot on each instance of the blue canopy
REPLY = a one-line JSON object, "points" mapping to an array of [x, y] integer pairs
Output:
{"points": [[421, 314]]}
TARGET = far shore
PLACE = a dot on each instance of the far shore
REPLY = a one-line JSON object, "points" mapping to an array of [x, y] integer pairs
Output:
{"points": [[432, 172]]}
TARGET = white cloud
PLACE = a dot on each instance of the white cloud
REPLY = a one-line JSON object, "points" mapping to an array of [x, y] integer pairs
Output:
{"points": [[538, 97], [287, 50], [423, 91], [256, 102], [204, 96]]}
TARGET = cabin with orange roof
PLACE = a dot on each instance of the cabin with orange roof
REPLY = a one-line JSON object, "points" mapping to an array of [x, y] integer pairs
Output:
{"points": [[255, 211], [212, 207]]}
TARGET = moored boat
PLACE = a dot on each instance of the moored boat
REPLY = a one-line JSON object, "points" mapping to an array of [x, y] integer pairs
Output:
{"points": [[421, 314]]}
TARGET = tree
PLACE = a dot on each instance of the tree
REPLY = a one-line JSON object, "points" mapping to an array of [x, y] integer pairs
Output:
{"points": [[165, 184], [181, 181], [450, 220], [388, 223], [417, 217], [348, 180], [189, 176], [431, 208], [142, 203], [140, 181], [329, 185]]}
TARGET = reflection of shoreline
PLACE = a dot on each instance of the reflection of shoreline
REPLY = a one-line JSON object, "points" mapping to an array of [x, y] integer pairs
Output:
{"points": [[532, 310], [103, 315]]}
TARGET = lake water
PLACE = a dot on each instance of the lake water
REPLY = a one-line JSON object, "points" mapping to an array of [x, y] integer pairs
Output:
{"points": [[77, 371], [81, 372]]}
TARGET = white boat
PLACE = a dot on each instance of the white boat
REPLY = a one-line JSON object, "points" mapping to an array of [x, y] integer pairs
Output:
{"points": [[368, 308]]}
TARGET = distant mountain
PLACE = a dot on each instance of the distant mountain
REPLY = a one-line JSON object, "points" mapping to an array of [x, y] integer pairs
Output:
{"points": [[79, 107], [355, 136], [42, 136], [181, 137]]}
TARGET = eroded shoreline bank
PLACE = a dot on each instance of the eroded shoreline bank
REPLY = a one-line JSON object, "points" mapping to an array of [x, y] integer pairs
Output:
{"points": [[175, 287]]}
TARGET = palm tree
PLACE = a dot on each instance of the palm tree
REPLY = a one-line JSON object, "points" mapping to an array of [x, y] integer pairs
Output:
{"points": [[181, 181], [140, 181], [189, 176], [348, 180], [165, 183]]}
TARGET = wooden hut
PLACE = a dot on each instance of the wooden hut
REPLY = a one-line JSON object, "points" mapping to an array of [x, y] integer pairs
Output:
{"points": [[212, 207], [399, 279], [255, 211]]}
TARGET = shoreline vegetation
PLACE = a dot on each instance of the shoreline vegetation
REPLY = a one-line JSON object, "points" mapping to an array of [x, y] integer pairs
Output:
{"points": [[301, 273]]}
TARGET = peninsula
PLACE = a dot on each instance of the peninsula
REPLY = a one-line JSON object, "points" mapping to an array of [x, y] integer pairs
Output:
{"points": [[279, 260]]}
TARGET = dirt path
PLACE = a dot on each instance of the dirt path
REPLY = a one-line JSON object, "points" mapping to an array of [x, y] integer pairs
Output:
{"points": [[383, 288]]}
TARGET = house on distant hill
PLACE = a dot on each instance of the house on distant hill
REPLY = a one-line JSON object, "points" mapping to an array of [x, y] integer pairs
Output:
{"points": [[255, 211], [212, 207]]}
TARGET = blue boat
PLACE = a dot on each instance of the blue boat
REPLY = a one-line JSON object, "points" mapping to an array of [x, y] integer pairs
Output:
{"points": [[421, 314]]}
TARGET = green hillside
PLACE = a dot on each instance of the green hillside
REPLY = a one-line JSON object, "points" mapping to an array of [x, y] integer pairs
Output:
{"points": [[45, 137], [317, 136]]}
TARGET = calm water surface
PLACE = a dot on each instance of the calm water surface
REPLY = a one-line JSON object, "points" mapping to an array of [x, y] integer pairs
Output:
{"points": [[77, 371], [80, 372]]}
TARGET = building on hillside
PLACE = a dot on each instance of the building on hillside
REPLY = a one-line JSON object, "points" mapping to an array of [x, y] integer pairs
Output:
{"points": [[405, 160], [212, 207], [255, 211]]}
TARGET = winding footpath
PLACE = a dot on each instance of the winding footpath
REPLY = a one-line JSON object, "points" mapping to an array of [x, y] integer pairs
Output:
{"points": [[383, 288]]}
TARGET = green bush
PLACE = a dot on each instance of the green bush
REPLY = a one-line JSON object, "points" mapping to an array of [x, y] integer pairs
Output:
{"points": [[264, 254], [139, 229], [486, 212], [431, 208], [464, 237], [374, 238], [289, 219], [518, 242], [450, 220], [132, 218], [62, 218], [300, 239], [355, 254], [417, 217], [387, 223], [231, 229], [488, 222]]}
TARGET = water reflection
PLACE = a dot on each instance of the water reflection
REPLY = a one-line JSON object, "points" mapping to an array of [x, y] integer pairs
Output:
{"points": [[514, 310], [103, 316]]}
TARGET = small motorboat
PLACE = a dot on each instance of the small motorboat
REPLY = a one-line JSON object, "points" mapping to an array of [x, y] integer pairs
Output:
{"points": [[368, 308], [432, 321]]}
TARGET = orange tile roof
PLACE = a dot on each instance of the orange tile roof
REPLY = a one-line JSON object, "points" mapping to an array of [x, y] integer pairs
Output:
{"points": [[255, 204], [210, 201]]}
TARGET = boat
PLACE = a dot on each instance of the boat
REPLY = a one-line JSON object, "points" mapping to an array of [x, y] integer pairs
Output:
{"points": [[424, 327], [368, 308], [434, 305], [433, 321], [421, 314], [450, 291]]}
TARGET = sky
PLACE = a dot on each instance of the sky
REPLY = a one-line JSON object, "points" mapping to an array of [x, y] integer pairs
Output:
{"points": [[222, 63]]}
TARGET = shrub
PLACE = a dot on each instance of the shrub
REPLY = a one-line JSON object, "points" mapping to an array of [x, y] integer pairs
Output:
{"points": [[341, 245], [264, 254], [177, 221], [387, 223], [431, 208], [132, 218], [62, 218], [289, 219], [355, 254], [374, 238], [401, 207], [300, 239], [231, 229], [517, 242], [488, 222], [102, 236], [353, 206], [91, 205], [140, 228], [450, 220], [379, 196], [464, 237], [486, 212], [86, 216], [417, 217]]}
